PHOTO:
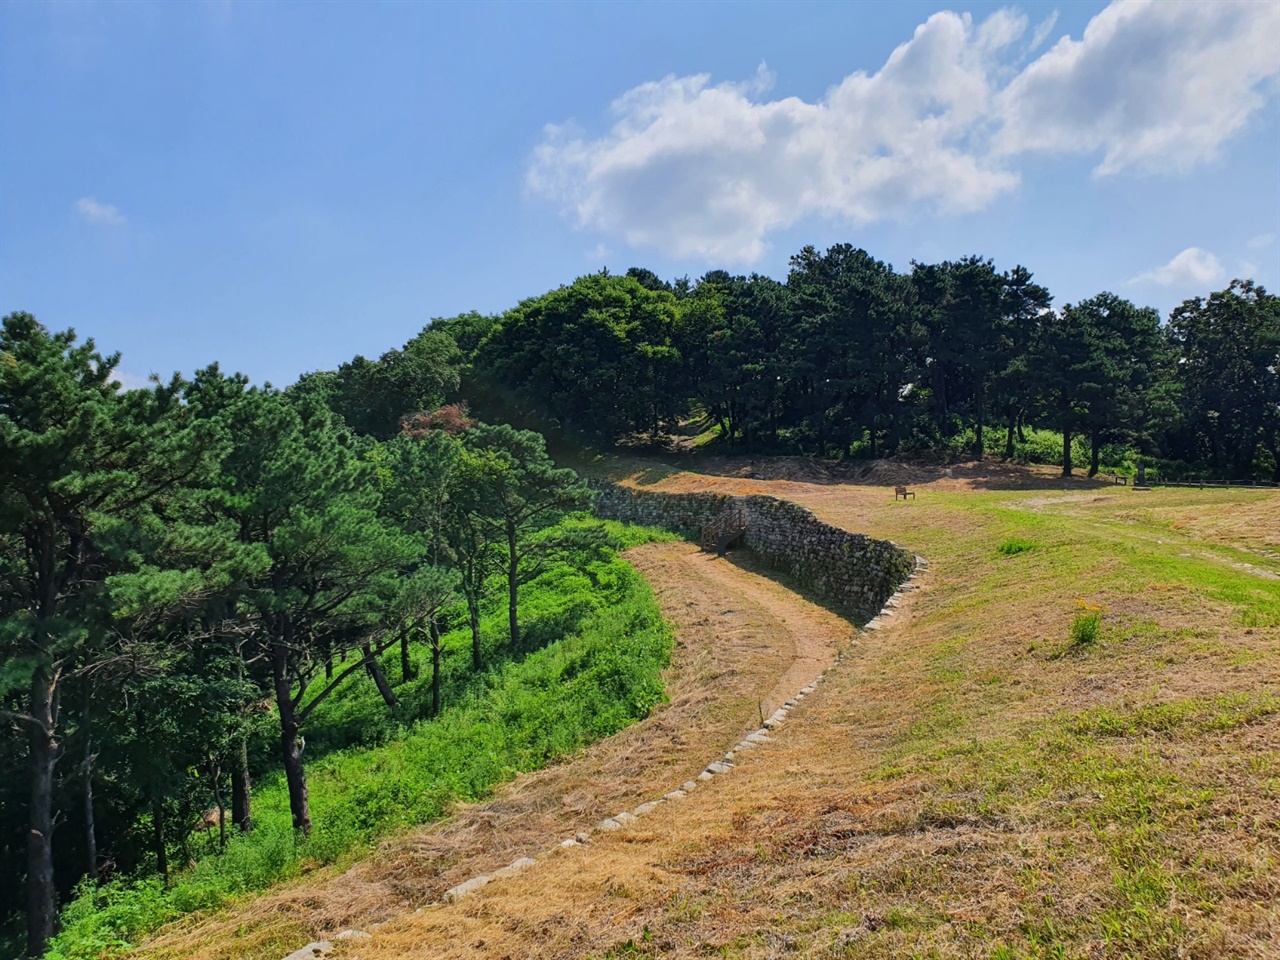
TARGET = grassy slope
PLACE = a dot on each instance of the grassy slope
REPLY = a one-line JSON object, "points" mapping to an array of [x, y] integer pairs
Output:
{"points": [[972, 784], [601, 645]]}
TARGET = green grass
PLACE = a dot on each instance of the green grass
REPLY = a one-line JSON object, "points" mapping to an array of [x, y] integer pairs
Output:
{"points": [[603, 645], [1015, 545]]}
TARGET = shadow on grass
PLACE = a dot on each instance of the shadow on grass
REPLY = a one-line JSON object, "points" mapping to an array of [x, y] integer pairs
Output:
{"points": [[745, 559]]}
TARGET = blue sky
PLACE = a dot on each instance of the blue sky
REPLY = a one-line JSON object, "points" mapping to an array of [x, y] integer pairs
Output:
{"points": [[279, 186]]}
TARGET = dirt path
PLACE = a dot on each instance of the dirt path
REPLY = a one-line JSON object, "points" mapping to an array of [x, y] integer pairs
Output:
{"points": [[744, 644]]}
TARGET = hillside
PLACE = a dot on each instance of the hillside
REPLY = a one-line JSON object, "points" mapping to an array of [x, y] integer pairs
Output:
{"points": [[968, 781]]}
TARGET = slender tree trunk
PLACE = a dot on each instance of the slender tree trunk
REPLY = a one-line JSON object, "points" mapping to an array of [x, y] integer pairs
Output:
{"points": [[513, 585], [982, 414], [374, 667], [1008, 438], [290, 748], [434, 627], [473, 611], [86, 770], [1095, 451], [41, 903], [240, 814], [1022, 435], [1066, 452], [406, 665], [222, 810], [160, 840]]}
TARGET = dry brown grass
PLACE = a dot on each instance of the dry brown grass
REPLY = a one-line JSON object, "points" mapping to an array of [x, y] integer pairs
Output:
{"points": [[744, 644], [966, 783]]}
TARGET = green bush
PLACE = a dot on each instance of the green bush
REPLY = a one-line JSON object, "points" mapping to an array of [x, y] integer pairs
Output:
{"points": [[603, 672], [1015, 545], [1086, 628]]}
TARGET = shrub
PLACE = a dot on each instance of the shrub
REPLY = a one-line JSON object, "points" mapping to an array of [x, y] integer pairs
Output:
{"points": [[1087, 625], [1015, 545]]}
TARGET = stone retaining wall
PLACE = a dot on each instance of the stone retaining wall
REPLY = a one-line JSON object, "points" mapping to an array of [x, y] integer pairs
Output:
{"points": [[852, 573]]}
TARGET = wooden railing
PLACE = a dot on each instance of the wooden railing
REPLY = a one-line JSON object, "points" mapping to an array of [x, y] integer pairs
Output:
{"points": [[722, 533]]}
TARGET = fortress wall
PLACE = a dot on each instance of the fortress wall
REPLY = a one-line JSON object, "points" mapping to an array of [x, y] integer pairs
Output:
{"points": [[852, 573]]}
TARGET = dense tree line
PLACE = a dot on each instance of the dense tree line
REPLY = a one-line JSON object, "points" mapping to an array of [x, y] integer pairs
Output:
{"points": [[850, 358], [184, 566], [188, 571]]}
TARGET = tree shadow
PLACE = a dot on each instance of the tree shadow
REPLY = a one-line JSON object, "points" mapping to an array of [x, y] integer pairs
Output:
{"points": [[745, 559]]}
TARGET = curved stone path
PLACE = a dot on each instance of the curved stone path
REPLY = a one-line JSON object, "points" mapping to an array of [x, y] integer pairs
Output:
{"points": [[686, 573]]}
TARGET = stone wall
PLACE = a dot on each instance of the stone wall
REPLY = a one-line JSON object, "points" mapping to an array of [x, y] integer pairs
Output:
{"points": [[850, 572]]}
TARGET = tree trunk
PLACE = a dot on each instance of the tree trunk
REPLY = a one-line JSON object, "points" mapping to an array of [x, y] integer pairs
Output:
{"points": [[161, 842], [435, 667], [374, 667], [1066, 452], [982, 413], [240, 814], [1095, 451], [473, 611], [90, 828], [222, 810], [290, 748], [1008, 438], [1022, 436], [406, 665], [513, 585], [41, 904]]}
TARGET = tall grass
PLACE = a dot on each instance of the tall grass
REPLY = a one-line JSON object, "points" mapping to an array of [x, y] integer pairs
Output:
{"points": [[605, 645]]}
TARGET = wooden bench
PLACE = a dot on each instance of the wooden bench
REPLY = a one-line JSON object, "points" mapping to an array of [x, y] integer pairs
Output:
{"points": [[902, 492]]}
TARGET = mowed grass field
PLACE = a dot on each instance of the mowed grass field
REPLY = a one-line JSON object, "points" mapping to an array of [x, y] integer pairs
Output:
{"points": [[971, 782]]}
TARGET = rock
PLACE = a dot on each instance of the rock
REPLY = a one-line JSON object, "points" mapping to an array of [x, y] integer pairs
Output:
{"points": [[524, 863], [644, 808], [704, 775], [759, 737], [719, 766], [354, 935], [608, 825], [688, 786], [676, 795], [571, 842], [625, 818], [462, 889], [311, 950]]}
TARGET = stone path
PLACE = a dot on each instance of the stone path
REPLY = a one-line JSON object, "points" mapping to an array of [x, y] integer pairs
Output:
{"points": [[810, 659]]}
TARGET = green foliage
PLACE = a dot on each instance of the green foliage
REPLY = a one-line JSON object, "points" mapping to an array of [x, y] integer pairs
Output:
{"points": [[1086, 627], [595, 358], [1015, 545], [522, 714]]}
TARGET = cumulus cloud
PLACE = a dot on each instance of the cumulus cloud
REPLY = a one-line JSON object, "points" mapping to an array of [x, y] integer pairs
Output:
{"points": [[1193, 267], [1155, 86], [95, 212], [701, 169]]}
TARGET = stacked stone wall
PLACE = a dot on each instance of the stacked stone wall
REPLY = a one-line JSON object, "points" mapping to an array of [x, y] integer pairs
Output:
{"points": [[852, 573]]}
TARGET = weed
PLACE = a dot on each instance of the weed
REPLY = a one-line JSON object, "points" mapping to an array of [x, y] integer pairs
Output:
{"points": [[1087, 625], [1015, 545]]}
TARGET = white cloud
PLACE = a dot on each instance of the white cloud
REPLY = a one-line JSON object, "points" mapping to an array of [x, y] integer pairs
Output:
{"points": [[705, 170], [1043, 30], [1154, 86], [1261, 242], [702, 169], [1193, 267], [96, 212]]}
